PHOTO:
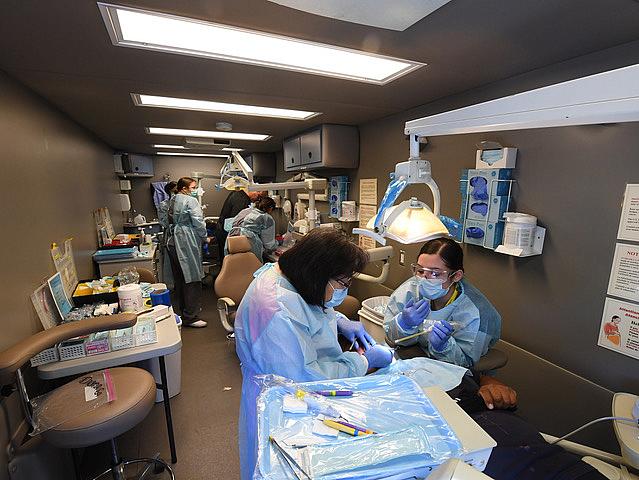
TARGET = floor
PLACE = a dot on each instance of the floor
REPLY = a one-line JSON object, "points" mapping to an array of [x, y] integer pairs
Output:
{"points": [[204, 413]]}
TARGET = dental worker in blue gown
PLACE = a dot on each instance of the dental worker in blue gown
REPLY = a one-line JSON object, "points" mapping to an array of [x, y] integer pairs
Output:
{"points": [[462, 322], [286, 325]]}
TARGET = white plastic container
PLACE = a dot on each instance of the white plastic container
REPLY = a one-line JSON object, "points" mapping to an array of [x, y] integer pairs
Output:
{"points": [[372, 317], [349, 210], [520, 230], [130, 298]]}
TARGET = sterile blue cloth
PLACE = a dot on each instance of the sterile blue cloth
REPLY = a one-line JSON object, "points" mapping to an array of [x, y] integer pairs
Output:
{"points": [[476, 322], [411, 434], [159, 194], [427, 372], [258, 227], [277, 332], [187, 233]]}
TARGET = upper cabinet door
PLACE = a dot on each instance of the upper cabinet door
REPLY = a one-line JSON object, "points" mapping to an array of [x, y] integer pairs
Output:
{"points": [[292, 159], [311, 147]]}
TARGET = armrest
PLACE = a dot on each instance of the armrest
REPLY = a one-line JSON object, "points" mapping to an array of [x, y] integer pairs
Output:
{"points": [[225, 303], [14, 357]]}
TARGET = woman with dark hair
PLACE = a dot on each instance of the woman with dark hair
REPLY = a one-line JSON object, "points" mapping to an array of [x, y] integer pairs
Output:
{"points": [[461, 323], [257, 225], [286, 324], [187, 233]]}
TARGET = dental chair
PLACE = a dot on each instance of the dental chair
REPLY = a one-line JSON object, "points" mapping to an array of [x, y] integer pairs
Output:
{"points": [[236, 274], [134, 390], [146, 275]]}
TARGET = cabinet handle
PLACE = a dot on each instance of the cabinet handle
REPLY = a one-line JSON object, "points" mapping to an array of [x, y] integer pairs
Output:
{"points": [[292, 159], [310, 154]]}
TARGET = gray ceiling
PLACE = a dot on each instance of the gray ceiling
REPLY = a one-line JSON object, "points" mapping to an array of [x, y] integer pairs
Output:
{"points": [[61, 50]]}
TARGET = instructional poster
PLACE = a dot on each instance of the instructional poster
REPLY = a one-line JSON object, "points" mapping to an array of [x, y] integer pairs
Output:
{"points": [[619, 329], [624, 275], [629, 223], [65, 265], [368, 191], [366, 212]]}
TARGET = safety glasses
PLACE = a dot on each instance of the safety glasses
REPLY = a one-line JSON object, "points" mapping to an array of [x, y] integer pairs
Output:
{"points": [[423, 272]]}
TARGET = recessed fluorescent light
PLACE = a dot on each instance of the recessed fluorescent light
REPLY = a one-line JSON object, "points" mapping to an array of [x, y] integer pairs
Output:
{"points": [[179, 132], [232, 108], [132, 27], [230, 149], [169, 146], [184, 154]]}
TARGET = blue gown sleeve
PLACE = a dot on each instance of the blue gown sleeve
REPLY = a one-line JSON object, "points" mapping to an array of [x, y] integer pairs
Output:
{"points": [[392, 313], [197, 219], [267, 234], [460, 348], [285, 348]]}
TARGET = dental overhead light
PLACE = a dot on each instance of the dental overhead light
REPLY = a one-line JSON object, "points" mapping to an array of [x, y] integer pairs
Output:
{"points": [[412, 221], [148, 30]]}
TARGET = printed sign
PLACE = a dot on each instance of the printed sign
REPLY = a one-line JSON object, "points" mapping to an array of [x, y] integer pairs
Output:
{"points": [[629, 223], [624, 275], [619, 329]]}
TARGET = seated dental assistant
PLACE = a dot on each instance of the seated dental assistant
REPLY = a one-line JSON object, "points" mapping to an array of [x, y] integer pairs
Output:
{"points": [[462, 323], [257, 225], [187, 234], [286, 325]]}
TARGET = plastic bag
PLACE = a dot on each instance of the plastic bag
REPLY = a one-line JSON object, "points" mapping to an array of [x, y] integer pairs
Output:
{"points": [[128, 275], [82, 395], [410, 434]]}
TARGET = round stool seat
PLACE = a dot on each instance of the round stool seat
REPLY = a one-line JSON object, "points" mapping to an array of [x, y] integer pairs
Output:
{"points": [[135, 396]]}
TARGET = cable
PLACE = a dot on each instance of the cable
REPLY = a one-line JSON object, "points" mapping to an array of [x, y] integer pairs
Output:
{"points": [[602, 419]]}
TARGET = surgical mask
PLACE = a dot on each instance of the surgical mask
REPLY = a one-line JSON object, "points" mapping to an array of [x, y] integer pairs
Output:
{"points": [[194, 193], [339, 294], [432, 288]]}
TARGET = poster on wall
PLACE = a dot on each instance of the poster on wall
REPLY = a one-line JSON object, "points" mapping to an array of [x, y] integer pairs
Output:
{"points": [[624, 275], [366, 212], [368, 191], [619, 329], [629, 222]]}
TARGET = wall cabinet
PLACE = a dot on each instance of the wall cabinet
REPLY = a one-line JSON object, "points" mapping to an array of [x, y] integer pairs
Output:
{"points": [[326, 146]]}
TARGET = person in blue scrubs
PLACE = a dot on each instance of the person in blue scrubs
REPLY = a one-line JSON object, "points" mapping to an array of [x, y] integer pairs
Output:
{"points": [[286, 325], [187, 234], [461, 323], [256, 224]]}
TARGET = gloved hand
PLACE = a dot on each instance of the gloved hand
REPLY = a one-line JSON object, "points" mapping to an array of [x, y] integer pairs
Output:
{"points": [[414, 313], [354, 332], [439, 335], [378, 356]]}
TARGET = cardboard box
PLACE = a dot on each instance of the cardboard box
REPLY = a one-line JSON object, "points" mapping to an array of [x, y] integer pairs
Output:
{"points": [[492, 211], [493, 233]]}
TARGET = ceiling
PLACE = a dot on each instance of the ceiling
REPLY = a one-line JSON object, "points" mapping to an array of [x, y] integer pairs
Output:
{"points": [[61, 50]]}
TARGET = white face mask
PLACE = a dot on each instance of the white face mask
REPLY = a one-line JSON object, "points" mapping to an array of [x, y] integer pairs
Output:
{"points": [[432, 288]]}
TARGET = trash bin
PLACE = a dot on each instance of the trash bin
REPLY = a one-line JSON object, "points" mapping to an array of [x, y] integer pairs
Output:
{"points": [[372, 316]]}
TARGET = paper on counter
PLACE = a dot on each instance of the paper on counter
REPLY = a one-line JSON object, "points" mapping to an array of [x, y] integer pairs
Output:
{"points": [[294, 405]]}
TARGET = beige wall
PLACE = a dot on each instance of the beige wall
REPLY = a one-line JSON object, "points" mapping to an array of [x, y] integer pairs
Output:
{"points": [[55, 173]]}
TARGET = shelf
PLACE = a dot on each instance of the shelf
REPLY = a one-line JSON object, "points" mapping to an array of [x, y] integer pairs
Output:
{"points": [[319, 197], [538, 246], [134, 175]]}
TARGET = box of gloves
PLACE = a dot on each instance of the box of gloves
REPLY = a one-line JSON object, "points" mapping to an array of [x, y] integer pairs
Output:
{"points": [[491, 210], [484, 182], [486, 234]]}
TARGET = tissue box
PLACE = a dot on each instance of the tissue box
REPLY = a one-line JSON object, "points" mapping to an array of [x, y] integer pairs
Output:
{"points": [[493, 186], [337, 192], [491, 210], [493, 233], [497, 158]]}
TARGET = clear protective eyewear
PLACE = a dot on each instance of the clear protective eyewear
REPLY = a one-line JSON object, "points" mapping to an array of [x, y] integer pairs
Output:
{"points": [[424, 272], [343, 283]]}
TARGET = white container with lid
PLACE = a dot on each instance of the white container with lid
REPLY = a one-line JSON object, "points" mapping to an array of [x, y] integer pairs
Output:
{"points": [[130, 298], [519, 231]]}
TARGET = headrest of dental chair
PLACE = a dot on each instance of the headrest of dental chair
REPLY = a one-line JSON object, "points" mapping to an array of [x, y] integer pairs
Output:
{"points": [[238, 244]]}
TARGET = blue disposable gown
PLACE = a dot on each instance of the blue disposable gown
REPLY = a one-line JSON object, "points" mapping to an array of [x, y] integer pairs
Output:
{"points": [[258, 227], [277, 332], [477, 324], [163, 217], [187, 233]]}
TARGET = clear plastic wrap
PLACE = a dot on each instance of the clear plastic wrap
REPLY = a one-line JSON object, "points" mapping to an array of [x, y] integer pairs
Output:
{"points": [[80, 396], [410, 435], [427, 372], [128, 275]]}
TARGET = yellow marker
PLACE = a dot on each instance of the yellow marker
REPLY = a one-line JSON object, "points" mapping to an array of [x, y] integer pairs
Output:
{"points": [[344, 428]]}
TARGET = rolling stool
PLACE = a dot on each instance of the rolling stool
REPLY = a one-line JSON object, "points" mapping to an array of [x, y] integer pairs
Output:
{"points": [[134, 387]]}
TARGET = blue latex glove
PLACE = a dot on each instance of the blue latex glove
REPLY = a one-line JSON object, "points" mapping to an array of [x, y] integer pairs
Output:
{"points": [[355, 333], [439, 335], [378, 356], [414, 314]]}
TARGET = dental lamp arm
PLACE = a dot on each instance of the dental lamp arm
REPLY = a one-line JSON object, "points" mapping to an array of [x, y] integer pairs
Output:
{"points": [[383, 254]]}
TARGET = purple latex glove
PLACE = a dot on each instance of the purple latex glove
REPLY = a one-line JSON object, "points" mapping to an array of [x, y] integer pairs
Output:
{"points": [[439, 335]]}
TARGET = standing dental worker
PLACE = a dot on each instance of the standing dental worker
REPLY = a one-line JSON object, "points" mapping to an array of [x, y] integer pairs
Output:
{"points": [[463, 323], [187, 234], [286, 325]]}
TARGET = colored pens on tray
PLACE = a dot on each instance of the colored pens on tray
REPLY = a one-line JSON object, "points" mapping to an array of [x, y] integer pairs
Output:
{"points": [[343, 428], [335, 393], [361, 429]]}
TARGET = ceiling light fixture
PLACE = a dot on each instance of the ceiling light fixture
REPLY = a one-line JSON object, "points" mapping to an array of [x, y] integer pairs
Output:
{"points": [[170, 146], [179, 132], [184, 154], [136, 28], [230, 149], [141, 100]]}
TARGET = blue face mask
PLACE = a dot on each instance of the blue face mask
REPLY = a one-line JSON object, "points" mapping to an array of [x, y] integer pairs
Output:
{"points": [[194, 193], [339, 294], [432, 288]]}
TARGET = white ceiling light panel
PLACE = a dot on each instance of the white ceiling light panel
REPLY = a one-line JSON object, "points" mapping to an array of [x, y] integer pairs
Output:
{"points": [[180, 132], [131, 27], [219, 107], [184, 154]]}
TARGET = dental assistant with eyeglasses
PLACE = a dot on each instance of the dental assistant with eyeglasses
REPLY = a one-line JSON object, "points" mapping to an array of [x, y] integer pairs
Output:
{"points": [[458, 321], [286, 325]]}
